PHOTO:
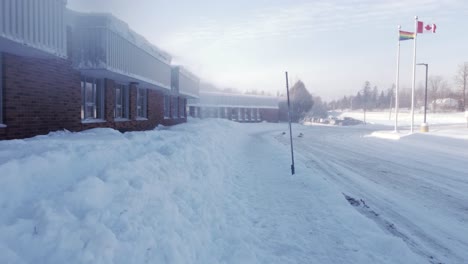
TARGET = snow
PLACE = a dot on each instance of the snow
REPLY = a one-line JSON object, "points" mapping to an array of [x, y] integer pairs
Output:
{"points": [[387, 135], [451, 124], [214, 191], [404, 117]]}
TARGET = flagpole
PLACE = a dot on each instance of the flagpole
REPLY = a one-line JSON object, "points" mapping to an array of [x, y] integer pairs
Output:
{"points": [[413, 87], [397, 85]]}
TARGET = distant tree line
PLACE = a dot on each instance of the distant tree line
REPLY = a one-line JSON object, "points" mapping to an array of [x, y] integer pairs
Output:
{"points": [[440, 96], [367, 98]]}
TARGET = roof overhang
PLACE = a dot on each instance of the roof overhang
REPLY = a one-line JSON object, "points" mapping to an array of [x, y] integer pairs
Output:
{"points": [[124, 78], [25, 50]]}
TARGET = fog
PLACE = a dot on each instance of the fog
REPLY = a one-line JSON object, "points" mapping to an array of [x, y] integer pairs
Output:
{"points": [[333, 47]]}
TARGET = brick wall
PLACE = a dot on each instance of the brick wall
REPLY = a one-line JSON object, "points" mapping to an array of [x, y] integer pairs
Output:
{"points": [[44, 95], [40, 95]]}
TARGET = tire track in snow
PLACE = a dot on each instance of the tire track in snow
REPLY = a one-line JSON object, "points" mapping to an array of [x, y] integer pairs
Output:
{"points": [[383, 207], [333, 161]]}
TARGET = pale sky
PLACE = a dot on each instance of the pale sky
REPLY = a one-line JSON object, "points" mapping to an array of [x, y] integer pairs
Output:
{"points": [[333, 46]]}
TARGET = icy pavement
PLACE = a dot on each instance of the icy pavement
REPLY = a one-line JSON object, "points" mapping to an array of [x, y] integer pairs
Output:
{"points": [[214, 191]]}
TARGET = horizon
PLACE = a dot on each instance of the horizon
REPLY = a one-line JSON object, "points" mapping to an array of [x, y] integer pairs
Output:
{"points": [[332, 47]]}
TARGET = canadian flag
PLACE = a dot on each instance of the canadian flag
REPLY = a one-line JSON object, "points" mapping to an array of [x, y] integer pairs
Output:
{"points": [[426, 28]]}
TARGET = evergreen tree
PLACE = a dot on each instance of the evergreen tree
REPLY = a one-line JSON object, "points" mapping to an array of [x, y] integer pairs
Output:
{"points": [[366, 95], [381, 102], [301, 101], [357, 102]]}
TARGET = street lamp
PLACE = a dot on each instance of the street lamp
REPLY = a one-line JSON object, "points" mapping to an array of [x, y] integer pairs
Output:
{"points": [[424, 126]]}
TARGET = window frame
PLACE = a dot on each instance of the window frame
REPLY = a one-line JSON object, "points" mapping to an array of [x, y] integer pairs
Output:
{"points": [[142, 93], [181, 104], [175, 107], [124, 105], [97, 102], [1, 90], [167, 106]]}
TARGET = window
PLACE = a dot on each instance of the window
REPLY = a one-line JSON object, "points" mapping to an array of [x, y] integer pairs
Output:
{"points": [[181, 107], [234, 113], [192, 111], [121, 102], [1, 89], [167, 106], [142, 103], [92, 93], [175, 107], [221, 112]]}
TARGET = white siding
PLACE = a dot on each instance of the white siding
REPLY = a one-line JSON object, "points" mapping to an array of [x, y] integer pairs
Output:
{"points": [[97, 45], [34, 23], [187, 83]]}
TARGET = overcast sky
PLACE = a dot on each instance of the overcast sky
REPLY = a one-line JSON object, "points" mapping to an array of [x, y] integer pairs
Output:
{"points": [[333, 46]]}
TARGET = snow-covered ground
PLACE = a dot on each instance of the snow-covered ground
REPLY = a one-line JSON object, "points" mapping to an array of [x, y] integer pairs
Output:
{"points": [[213, 191], [404, 118]]}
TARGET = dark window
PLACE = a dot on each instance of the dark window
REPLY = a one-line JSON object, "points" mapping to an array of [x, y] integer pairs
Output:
{"points": [[1, 88], [175, 107], [92, 92], [121, 101], [181, 107], [142, 103], [167, 106]]}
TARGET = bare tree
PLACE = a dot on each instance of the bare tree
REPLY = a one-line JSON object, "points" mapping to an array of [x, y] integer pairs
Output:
{"points": [[461, 79], [437, 88]]}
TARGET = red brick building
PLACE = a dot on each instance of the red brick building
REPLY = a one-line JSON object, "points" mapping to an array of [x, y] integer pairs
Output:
{"points": [[61, 69]]}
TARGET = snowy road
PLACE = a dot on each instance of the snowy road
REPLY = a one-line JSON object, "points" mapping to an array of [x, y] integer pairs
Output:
{"points": [[302, 219], [415, 188]]}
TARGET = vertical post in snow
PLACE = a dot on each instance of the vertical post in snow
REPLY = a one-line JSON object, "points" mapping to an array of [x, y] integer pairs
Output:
{"points": [[290, 129], [413, 87], [397, 84], [390, 112], [466, 115], [425, 94]]}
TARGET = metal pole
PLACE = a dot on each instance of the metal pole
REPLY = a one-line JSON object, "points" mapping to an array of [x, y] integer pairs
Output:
{"points": [[425, 95], [414, 73], [397, 84], [290, 129], [390, 112]]}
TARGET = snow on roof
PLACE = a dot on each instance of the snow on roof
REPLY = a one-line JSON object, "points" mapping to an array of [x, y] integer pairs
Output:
{"points": [[120, 27], [219, 99]]}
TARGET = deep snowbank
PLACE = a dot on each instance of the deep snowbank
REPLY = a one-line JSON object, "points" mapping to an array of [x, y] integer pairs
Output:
{"points": [[104, 197]]}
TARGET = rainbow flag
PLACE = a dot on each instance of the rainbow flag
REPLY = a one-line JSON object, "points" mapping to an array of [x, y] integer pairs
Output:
{"points": [[405, 35]]}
